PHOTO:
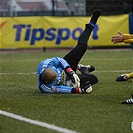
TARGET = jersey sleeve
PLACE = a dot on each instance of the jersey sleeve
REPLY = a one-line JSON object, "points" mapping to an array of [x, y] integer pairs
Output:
{"points": [[55, 89], [62, 63], [128, 38], [53, 62]]}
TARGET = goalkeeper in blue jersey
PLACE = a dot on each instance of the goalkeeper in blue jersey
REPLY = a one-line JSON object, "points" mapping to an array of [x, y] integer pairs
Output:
{"points": [[58, 75]]}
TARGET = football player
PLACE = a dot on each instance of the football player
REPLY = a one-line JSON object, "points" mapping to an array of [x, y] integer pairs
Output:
{"points": [[126, 38], [58, 75]]}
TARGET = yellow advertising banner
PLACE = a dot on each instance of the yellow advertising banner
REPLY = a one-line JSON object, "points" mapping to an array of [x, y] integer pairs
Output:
{"points": [[37, 32]]}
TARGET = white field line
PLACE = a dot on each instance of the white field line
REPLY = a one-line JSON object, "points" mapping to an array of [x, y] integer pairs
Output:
{"points": [[20, 60], [106, 59], [35, 122], [33, 73]]}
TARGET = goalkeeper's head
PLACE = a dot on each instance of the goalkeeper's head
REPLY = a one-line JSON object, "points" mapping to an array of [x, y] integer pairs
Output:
{"points": [[48, 76]]}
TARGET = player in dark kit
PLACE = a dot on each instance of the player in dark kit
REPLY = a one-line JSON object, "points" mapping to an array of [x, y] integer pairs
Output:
{"points": [[58, 75]]}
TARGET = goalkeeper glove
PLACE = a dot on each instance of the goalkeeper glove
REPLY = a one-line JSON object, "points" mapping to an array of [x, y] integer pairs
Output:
{"points": [[74, 77]]}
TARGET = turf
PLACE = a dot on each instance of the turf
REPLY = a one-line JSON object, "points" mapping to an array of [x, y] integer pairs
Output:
{"points": [[99, 112]]}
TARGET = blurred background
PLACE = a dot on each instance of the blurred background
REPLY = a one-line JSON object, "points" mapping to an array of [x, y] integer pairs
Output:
{"points": [[63, 7]]}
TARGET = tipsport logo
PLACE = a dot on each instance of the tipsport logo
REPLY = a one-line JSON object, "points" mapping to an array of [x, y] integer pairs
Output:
{"points": [[34, 35]]}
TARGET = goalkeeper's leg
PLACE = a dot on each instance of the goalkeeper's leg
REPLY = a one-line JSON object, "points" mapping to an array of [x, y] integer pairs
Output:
{"points": [[74, 56], [87, 77]]}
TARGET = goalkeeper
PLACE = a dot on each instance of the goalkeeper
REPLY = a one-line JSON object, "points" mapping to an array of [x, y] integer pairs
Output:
{"points": [[58, 75], [126, 38]]}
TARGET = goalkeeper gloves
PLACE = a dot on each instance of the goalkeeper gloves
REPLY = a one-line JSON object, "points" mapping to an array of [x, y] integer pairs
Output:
{"points": [[87, 88], [74, 77]]}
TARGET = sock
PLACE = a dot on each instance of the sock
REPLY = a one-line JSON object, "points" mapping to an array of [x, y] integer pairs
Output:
{"points": [[130, 75]]}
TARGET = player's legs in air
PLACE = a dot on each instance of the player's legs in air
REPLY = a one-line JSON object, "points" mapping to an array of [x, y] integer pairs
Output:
{"points": [[75, 55]]}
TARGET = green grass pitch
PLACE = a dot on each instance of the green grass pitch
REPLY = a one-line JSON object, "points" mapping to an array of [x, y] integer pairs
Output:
{"points": [[98, 112]]}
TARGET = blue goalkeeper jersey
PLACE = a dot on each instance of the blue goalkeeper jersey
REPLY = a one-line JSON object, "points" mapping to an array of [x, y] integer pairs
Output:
{"points": [[58, 65]]}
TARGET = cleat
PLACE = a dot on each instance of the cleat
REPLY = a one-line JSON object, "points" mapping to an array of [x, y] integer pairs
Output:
{"points": [[89, 68], [95, 15], [122, 77], [128, 101]]}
